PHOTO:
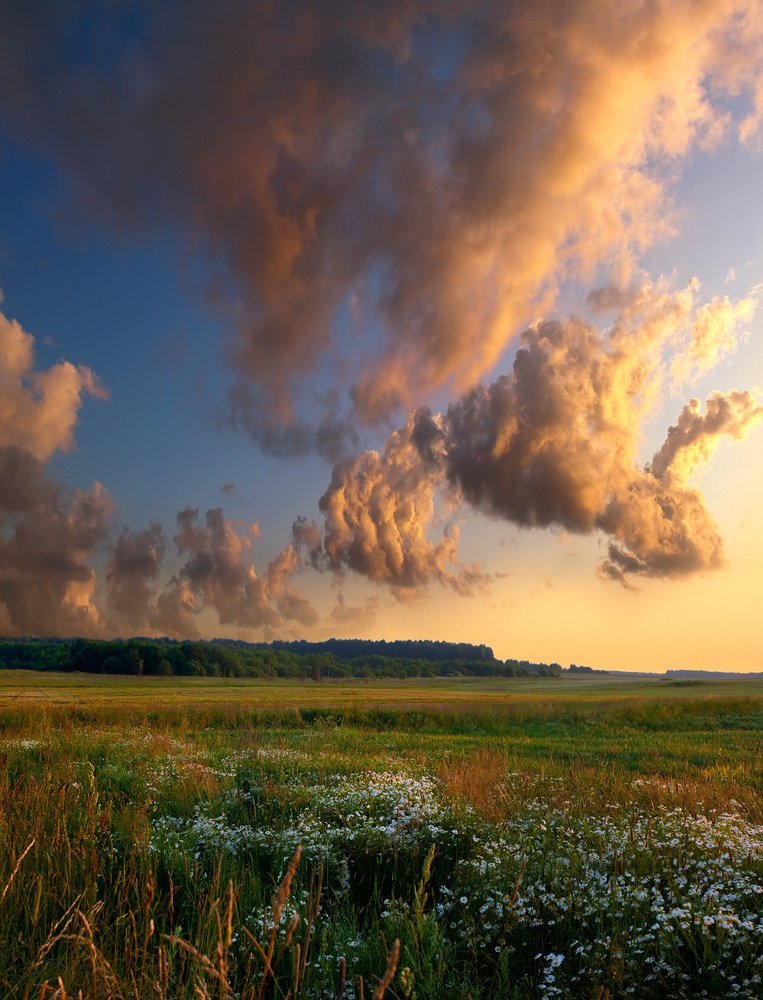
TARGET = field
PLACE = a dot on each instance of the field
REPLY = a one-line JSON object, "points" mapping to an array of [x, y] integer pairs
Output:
{"points": [[577, 837]]}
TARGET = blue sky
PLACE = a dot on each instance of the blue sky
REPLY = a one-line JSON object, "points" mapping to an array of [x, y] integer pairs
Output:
{"points": [[353, 218]]}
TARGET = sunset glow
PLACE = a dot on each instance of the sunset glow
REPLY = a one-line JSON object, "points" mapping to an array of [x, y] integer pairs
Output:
{"points": [[403, 320]]}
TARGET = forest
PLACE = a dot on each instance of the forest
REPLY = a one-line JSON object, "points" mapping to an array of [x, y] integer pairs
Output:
{"points": [[231, 658]]}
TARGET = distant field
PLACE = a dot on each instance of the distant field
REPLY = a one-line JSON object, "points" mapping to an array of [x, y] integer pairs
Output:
{"points": [[101, 690], [591, 837]]}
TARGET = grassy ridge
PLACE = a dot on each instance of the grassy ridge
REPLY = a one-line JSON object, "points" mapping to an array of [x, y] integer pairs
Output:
{"points": [[595, 837]]}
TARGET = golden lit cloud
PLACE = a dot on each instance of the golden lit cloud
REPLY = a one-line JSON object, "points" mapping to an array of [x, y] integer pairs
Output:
{"points": [[434, 169], [48, 536], [380, 199], [554, 444], [377, 511], [39, 409]]}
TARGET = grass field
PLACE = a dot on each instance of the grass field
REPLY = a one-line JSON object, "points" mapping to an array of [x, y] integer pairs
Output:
{"points": [[577, 837]]}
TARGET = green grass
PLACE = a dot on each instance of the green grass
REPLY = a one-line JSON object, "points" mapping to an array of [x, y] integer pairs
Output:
{"points": [[488, 826]]}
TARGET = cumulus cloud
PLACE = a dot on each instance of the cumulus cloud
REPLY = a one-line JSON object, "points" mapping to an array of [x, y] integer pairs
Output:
{"points": [[378, 509], [331, 436], [691, 441], [47, 537], [38, 409], [176, 610], [552, 444], [47, 533], [132, 571], [411, 179], [217, 575]]}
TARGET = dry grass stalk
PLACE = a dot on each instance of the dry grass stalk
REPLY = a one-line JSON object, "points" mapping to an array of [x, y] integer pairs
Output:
{"points": [[297, 955], [229, 915], [164, 971], [209, 967], [312, 915], [392, 959], [56, 932], [256, 943], [103, 973], [16, 867], [282, 894], [342, 978]]}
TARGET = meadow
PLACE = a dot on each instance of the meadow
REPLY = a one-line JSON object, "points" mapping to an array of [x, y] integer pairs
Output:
{"points": [[443, 838]]}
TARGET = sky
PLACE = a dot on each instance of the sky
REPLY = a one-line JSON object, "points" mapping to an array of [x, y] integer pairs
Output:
{"points": [[406, 320]]}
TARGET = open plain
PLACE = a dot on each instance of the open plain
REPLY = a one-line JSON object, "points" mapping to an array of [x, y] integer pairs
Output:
{"points": [[572, 837]]}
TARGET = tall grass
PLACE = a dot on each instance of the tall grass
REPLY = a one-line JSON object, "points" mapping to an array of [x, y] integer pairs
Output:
{"points": [[87, 907], [563, 849]]}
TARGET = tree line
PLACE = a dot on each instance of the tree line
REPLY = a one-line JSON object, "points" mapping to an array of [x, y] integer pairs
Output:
{"points": [[232, 658], [434, 651]]}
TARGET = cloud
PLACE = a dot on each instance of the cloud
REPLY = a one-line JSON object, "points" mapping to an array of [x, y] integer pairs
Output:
{"points": [[38, 409], [306, 535], [410, 179], [332, 436], [22, 483], [658, 530], [176, 610], [556, 442], [385, 195], [132, 571], [552, 444], [354, 617], [691, 441], [47, 536], [292, 605], [217, 574], [378, 509], [716, 330], [47, 533]]}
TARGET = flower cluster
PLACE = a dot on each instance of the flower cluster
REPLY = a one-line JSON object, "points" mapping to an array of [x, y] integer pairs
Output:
{"points": [[639, 897], [642, 892]]}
